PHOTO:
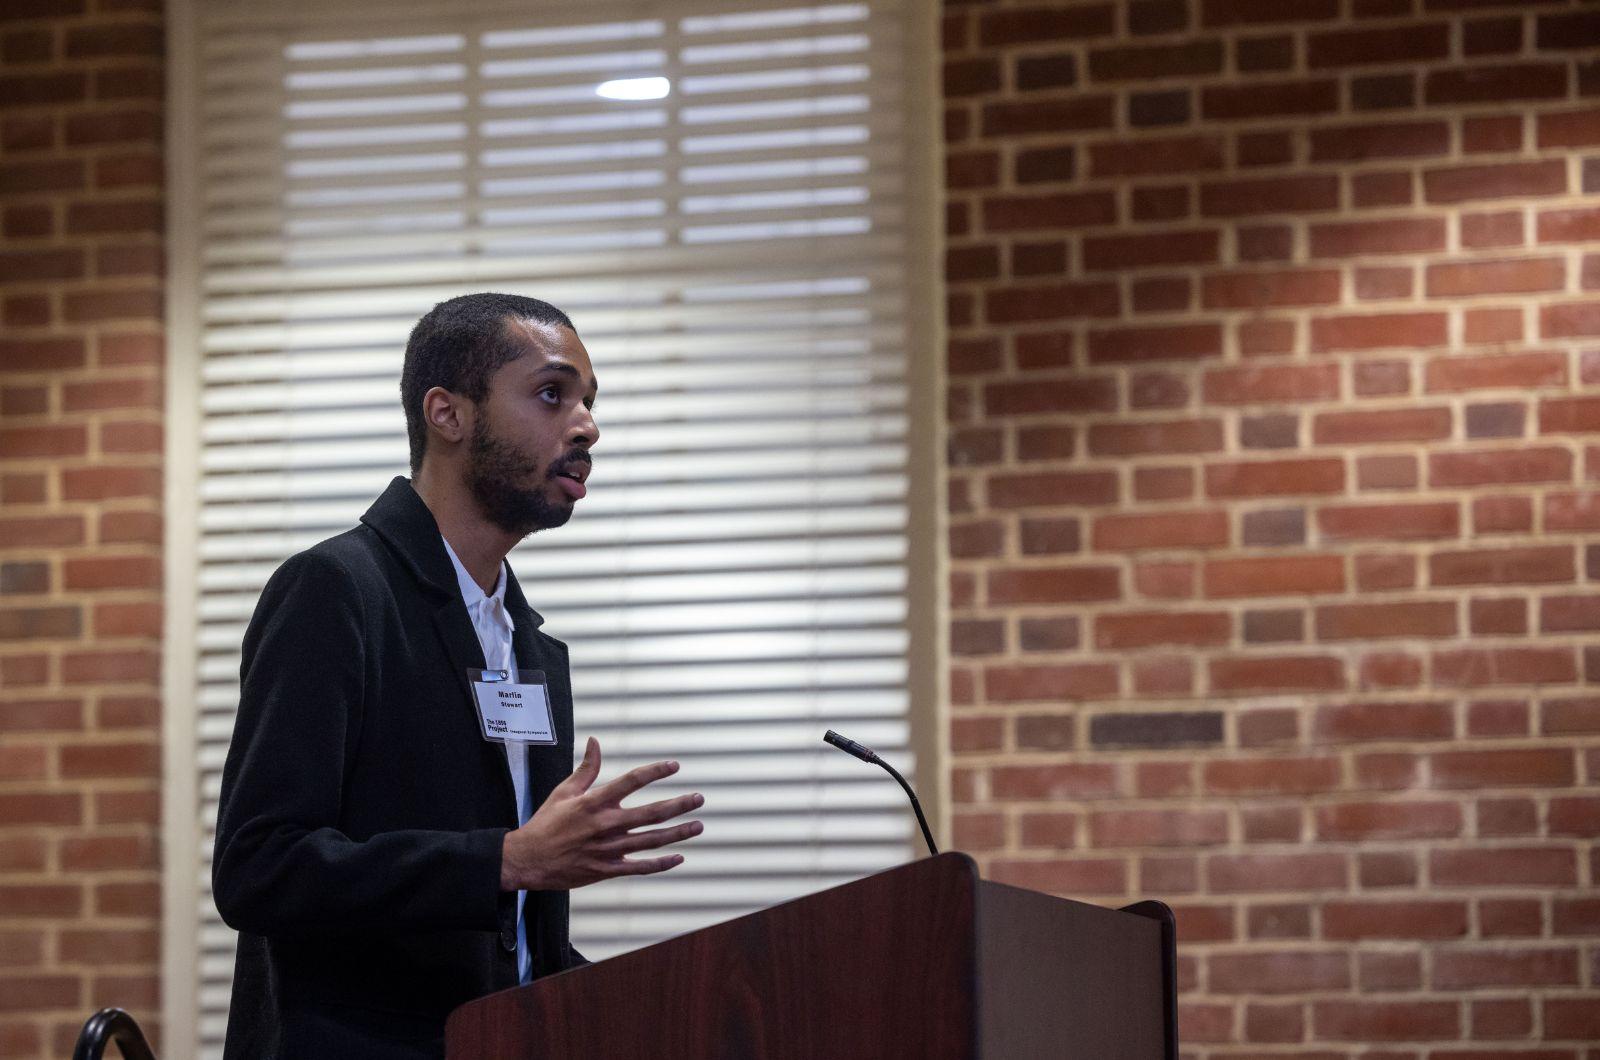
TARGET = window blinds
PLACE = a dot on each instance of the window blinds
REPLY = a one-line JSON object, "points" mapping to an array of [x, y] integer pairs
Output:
{"points": [[733, 254]]}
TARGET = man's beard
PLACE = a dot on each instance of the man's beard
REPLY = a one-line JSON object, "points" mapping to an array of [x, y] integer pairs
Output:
{"points": [[494, 470]]}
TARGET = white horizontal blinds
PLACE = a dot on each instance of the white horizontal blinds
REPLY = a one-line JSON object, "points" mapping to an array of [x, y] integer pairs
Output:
{"points": [[732, 253]]}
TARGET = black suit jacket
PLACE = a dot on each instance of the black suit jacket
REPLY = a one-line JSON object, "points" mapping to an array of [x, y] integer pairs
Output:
{"points": [[362, 811]]}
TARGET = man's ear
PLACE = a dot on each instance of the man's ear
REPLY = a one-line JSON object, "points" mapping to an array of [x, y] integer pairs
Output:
{"points": [[448, 416]]}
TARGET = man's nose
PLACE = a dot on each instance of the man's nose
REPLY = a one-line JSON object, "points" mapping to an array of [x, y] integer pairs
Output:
{"points": [[584, 432]]}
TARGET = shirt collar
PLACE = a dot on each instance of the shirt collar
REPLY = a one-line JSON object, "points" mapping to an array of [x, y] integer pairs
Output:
{"points": [[471, 592]]}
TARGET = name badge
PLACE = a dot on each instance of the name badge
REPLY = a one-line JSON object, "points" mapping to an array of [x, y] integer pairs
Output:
{"points": [[513, 706]]}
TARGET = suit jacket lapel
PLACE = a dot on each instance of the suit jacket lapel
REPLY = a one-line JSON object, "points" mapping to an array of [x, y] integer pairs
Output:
{"points": [[406, 524], [547, 766]]}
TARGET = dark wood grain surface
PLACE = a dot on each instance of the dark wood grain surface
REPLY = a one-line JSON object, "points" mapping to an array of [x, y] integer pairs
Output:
{"points": [[883, 967]]}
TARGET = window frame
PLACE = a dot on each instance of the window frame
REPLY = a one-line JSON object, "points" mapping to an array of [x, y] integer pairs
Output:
{"points": [[926, 561]]}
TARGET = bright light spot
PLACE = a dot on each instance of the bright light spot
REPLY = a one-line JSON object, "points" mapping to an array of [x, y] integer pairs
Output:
{"points": [[635, 88]]}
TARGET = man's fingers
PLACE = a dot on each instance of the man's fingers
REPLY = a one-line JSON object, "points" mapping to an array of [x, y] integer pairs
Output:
{"points": [[655, 812], [581, 778], [633, 842], [646, 866], [634, 779]]}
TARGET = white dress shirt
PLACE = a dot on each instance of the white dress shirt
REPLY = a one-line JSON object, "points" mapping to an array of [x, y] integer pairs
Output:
{"points": [[494, 628]]}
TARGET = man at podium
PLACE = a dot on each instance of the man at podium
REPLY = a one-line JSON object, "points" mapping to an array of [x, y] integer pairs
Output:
{"points": [[399, 821]]}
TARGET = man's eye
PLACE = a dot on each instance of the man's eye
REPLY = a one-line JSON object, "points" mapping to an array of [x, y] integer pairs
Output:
{"points": [[550, 395]]}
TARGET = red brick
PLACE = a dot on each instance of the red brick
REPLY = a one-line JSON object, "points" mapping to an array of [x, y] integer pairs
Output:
{"points": [[1383, 1021], [1022, 684], [1577, 916], [1488, 467], [1156, 155], [1053, 585], [1579, 415], [1569, 614], [1295, 673], [1509, 180], [1279, 287], [1569, 128], [1383, 621], [1050, 396], [1385, 720], [1269, 195], [1054, 302], [1464, 279], [1518, 371], [114, 216], [1369, 190], [103, 853], [1572, 1018], [1390, 522], [1157, 828], [1492, 134], [65, 263], [1029, 25], [1569, 320], [1496, 84], [1501, 515], [1268, 99], [1497, 717], [1481, 230], [1475, 969], [1256, 873], [1414, 42], [1054, 782], [1163, 676], [33, 993], [123, 572], [41, 531], [1274, 478], [1381, 427], [1569, 226], [1503, 769], [1274, 972], [1053, 210], [1160, 530], [130, 528], [1188, 247], [1394, 920], [1382, 971], [1273, 576], [1260, 338], [1379, 331], [123, 668], [106, 760], [127, 350], [1396, 236], [41, 355], [1527, 565], [1492, 325], [1367, 821], [1271, 776], [1575, 816], [40, 808], [1561, 716], [1063, 876], [1161, 294], [1143, 629], [1049, 489], [1125, 345], [1477, 668], [112, 392]]}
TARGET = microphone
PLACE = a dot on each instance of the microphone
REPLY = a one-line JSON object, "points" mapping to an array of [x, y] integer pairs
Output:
{"points": [[867, 754]]}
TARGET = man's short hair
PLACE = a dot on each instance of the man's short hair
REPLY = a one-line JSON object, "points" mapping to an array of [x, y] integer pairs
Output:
{"points": [[458, 345]]}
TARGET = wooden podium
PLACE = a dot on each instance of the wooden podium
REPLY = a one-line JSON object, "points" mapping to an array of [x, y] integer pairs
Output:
{"points": [[923, 961]]}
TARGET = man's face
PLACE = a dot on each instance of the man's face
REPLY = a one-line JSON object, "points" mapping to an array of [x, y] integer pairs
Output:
{"points": [[528, 455]]}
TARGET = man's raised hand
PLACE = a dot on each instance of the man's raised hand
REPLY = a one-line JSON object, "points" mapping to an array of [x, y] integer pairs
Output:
{"points": [[582, 834]]}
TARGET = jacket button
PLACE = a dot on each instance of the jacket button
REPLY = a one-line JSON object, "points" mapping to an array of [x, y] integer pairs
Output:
{"points": [[508, 941]]}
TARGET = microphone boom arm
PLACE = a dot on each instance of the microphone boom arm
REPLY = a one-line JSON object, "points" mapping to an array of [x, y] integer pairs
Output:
{"points": [[867, 754]]}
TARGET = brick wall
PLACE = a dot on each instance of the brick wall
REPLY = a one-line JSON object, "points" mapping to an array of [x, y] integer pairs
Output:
{"points": [[80, 532], [1274, 405]]}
